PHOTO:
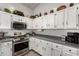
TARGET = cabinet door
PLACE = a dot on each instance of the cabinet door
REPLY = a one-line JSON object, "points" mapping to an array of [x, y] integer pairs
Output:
{"points": [[40, 23], [40, 46], [57, 52], [56, 49], [59, 20], [35, 23], [29, 23], [51, 21], [44, 21], [6, 49], [43, 48], [36, 45], [52, 50], [46, 48], [71, 20], [0, 49], [15, 18], [31, 43], [18, 18], [48, 21], [5, 20]]}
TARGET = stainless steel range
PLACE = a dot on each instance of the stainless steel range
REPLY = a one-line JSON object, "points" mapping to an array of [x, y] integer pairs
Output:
{"points": [[21, 44]]}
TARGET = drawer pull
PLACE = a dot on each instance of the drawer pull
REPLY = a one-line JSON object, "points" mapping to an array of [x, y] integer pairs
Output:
{"points": [[47, 43], [56, 46], [69, 50], [40, 41], [51, 48]]}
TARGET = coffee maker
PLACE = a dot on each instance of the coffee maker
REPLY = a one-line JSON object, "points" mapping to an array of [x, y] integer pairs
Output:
{"points": [[72, 37]]}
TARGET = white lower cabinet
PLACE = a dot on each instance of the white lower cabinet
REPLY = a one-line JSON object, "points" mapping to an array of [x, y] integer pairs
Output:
{"points": [[6, 48], [69, 51], [31, 43], [56, 49], [46, 48]]}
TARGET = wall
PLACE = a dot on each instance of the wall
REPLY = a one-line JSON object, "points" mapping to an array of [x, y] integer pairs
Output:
{"points": [[17, 6]]}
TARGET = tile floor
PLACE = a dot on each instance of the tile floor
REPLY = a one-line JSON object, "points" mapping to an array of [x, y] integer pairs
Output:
{"points": [[31, 53]]}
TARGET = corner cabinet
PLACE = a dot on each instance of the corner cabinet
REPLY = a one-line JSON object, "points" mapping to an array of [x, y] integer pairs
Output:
{"points": [[5, 20], [6, 48]]}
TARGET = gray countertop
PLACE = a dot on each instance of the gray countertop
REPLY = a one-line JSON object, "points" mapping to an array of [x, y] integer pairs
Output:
{"points": [[5, 40], [54, 39], [57, 40]]}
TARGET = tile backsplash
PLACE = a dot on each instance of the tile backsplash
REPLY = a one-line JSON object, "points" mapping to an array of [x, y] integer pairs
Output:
{"points": [[54, 32], [11, 32], [44, 32]]}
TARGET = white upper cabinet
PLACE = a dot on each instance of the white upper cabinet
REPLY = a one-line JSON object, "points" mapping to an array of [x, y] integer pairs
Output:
{"points": [[51, 21], [44, 22], [63, 19], [71, 18], [17, 18], [35, 23], [5, 20], [29, 23], [48, 21], [59, 19]]}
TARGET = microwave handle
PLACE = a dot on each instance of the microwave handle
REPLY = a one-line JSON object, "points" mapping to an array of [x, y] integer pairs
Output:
{"points": [[11, 25]]}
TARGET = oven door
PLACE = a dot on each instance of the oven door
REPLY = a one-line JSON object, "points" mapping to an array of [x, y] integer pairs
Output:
{"points": [[21, 46]]}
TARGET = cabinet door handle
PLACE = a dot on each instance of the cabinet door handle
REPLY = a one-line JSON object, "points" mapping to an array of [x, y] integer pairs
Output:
{"points": [[47, 43], [56, 46], [63, 23], [51, 48], [11, 15], [77, 7], [55, 26], [45, 49], [67, 22], [76, 24], [40, 41], [1, 52], [60, 54], [69, 50]]}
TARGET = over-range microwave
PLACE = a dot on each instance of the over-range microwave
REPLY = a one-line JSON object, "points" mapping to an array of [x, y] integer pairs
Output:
{"points": [[18, 25]]}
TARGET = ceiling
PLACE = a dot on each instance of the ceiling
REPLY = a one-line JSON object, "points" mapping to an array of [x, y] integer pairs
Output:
{"points": [[31, 5]]}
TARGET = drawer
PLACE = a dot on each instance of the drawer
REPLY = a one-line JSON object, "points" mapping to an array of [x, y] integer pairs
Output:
{"points": [[69, 50], [68, 54], [57, 46]]}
